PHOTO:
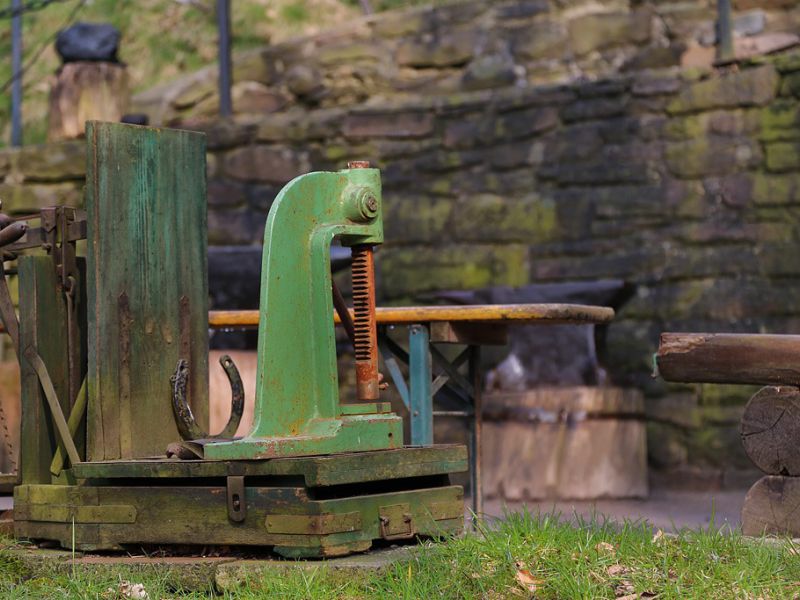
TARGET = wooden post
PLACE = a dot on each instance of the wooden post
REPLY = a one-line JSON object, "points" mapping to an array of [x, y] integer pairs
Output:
{"points": [[147, 284]]}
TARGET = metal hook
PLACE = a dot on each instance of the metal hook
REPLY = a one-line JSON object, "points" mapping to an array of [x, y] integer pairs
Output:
{"points": [[184, 418]]}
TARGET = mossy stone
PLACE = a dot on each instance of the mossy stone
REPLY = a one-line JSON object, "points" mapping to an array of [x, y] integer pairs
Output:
{"points": [[451, 267], [756, 86], [783, 156], [773, 189], [31, 197], [780, 121], [415, 219], [489, 217]]}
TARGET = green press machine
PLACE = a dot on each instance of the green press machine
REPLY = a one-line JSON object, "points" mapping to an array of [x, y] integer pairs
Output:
{"points": [[113, 351]]}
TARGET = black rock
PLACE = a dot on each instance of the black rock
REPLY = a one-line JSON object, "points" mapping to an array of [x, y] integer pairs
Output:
{"points": [[88, 41]]}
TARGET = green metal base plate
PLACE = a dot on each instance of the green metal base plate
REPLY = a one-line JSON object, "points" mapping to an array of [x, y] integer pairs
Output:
{"points": [[348, 433], [304, 507]]}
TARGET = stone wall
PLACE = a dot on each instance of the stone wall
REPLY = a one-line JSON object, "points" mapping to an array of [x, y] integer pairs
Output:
{"points": [[472, 45], [683, 181]]}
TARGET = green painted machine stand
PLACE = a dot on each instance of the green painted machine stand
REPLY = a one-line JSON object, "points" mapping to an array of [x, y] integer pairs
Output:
{"points": [[106, 460], [297, 410]]}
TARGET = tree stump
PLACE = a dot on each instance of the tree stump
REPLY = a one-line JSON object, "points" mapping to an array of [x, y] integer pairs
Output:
{"points": [[85, 91], [578, 443], [770, 430]]}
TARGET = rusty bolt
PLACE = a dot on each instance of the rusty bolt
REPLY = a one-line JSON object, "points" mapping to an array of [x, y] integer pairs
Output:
{"points": [[369, 206], [362, 204], [358, 164]]}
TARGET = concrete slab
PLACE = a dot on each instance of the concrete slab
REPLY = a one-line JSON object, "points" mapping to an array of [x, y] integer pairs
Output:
{"points": [[195, 573], [233, 575]]}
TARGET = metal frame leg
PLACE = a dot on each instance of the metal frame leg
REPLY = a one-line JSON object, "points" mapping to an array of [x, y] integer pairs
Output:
{"points": [[420, 375], [476, 426]]}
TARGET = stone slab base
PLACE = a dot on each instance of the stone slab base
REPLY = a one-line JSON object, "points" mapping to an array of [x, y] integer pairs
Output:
{"points": [[196, 573]]}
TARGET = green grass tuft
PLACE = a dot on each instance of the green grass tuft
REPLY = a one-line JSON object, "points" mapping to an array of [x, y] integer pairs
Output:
{"points": [[522, 556]]}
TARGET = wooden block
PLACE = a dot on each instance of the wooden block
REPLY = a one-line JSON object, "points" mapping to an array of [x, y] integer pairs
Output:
{"points": [[147, 284], [316, 471], [599, 451], [106, 518], [770, 507]]}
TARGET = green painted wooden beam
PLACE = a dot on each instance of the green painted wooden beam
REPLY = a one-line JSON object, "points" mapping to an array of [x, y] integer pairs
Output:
{"points": [[147, 284]]}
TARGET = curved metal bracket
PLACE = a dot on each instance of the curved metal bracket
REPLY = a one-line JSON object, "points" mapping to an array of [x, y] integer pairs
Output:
{"points": [[184, 418]]}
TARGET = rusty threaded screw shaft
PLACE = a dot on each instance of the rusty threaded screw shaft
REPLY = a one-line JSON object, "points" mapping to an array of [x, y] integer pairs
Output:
{"points": [[366, 342]]}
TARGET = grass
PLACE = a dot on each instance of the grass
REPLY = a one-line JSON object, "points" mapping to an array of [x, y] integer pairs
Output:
{"points": [[161, 39], [523, 556]]}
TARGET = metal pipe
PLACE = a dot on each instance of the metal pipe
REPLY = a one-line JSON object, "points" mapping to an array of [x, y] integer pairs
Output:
{"points": [[724, 32], [224, 48], [16, 73]]}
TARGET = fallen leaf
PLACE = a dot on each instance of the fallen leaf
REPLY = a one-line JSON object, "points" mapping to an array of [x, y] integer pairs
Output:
{"points": [[657, 537], [605, 547], [527, 580], [127, 591], [624, 589], [617, 570]]}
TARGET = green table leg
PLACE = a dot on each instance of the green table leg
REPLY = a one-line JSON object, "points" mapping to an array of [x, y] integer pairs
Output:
{"points": [[420, 375]]}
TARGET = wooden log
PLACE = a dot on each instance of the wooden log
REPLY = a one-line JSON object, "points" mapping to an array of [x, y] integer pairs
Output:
{"points": [[86, 91], [770, 430], [758, 359], [770, 507]]}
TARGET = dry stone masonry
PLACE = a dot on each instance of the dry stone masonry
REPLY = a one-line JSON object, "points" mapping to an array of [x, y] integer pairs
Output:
{"points": [[633, 165]]}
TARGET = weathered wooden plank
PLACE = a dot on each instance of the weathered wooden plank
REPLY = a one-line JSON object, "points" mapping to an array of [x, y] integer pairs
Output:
{"points": [[771, 507], [317, 471], [147, 284], [544, 314], [770, 430], [758, 359], [43, 327], [199, 515]]}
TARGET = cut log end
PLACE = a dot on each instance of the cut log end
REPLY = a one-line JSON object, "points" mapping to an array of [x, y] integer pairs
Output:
{"points": [[770, 430], [770, 507]]}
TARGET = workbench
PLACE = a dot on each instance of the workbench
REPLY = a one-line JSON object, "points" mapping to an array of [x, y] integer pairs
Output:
{"points": [[429, 368]]}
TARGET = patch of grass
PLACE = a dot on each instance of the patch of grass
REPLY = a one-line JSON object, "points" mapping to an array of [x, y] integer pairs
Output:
{"points": [[525, 555], [295, 12]]}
